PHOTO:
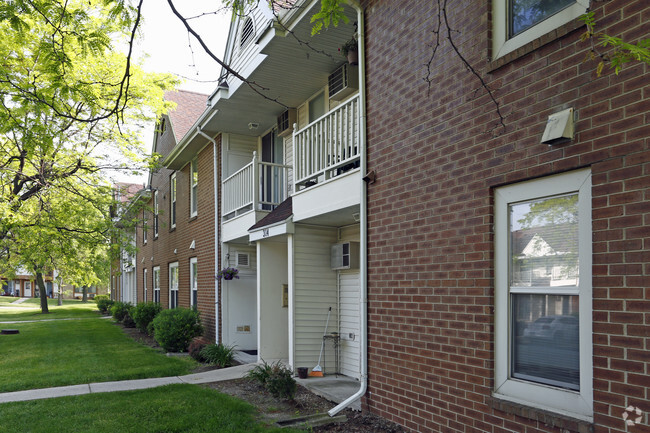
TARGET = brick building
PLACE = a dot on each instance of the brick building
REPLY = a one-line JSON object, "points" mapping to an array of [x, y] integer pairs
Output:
{"points": [[464, 332]]}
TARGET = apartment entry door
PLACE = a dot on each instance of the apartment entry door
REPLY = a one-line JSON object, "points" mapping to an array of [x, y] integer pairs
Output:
{"points": [[272, 176]]}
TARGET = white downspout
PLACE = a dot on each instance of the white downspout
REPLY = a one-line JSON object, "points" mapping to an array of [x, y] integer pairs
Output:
{"points": [[217, 248], [363, 250]]}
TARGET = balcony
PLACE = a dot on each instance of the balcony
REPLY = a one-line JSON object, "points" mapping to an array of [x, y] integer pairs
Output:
{"points": [[327, 147], [258, 186]]}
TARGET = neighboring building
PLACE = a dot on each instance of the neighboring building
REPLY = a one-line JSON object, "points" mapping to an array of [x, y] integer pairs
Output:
{"points": [[508, 278], [23, 284]]}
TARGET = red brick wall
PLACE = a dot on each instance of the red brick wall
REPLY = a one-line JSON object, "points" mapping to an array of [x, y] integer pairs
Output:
{"points": [[199, 229], [430, 212]]}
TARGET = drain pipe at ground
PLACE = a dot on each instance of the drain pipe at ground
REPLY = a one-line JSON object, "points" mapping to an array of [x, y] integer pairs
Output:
{"points": [[363, 274], [217, 248]]}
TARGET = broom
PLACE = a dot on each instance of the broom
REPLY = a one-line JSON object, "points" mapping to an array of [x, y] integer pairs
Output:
{"points": [[317, 371]]}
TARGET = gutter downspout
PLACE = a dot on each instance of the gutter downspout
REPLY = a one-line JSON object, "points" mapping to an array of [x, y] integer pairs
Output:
{"points": [[217, 246], [363, 272]]}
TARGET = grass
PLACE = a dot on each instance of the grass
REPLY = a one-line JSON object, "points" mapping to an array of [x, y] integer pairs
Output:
{"points": [[31, 310], [173, 408], [69, 352]]}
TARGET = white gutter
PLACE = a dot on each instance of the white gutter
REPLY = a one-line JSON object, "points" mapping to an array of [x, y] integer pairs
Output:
{"points": [[363, 250], [217, 284]]}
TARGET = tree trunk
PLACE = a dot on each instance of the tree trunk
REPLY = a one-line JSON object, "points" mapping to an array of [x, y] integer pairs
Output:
{"points": [[60, 292], [84, 297], [41, 286]]}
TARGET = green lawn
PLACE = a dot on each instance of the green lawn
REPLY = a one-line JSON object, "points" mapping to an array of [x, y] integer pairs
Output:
{"points": [[84, 349], [31, 310], [173, 408]]}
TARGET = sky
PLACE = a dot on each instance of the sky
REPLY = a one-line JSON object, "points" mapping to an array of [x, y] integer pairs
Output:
{"points": [[166, 48]]}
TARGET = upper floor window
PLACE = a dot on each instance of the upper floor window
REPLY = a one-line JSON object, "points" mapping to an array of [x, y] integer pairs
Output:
{"points": [[172, 200], [194, 183], [543, 295], [518, 22], [144, 227], [247, 32], [155, 214]]}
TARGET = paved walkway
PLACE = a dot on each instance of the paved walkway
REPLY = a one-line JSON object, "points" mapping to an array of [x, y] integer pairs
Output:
{"points": [[236, 372], [20, 301]]}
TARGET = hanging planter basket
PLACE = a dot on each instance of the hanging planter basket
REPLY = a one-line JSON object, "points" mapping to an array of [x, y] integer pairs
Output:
{"points": [[228, 274]]}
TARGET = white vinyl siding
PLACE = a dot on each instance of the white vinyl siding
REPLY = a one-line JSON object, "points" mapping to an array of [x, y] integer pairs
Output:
{"points": [[315, 290]]}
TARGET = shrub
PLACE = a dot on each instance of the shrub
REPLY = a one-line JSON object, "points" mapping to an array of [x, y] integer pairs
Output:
{"points": [[276, 378], [175, 328], [196, 346], [220, 354], [104, 305], [100, 297], [119, 310], [144, 313], [128, 321]]}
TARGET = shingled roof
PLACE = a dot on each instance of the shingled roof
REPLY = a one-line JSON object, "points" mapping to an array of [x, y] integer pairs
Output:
{"points": [[189, 107], [279, 214]]}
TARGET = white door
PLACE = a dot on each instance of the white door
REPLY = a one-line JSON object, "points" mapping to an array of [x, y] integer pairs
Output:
{"points": [[28, 289], [349, 328]]}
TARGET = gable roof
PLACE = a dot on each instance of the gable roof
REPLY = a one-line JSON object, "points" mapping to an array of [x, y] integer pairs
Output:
{"points": [[189, 107]]}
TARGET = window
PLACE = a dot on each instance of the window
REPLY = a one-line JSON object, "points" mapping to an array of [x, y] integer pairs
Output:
{"points": [[172, 201], [247, 32], [144, 285], [317, 107], [156, 284], [155, 214], [144, 227], [543, 294], [194, 183], [173, 285], [518, 22], [194, 286]]}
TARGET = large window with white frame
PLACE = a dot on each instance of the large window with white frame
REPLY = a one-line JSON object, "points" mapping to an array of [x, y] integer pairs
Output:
{"points": [[144, 284], [155, 214], [194, 186], [518, 22], [194, 285], [543, 294], [156, 284], [173, 285], [172, 200]]}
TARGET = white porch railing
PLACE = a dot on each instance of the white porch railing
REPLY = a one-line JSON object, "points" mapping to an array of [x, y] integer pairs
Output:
{"points": [[258, 185], [328, 146]]}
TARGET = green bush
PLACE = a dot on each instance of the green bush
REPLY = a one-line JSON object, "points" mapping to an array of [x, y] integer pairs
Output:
{"points": [[101, 297], [175, 328], [120, 310], [128, 321], [276, 378], [144, 313], [220, 354], [104, 305]]}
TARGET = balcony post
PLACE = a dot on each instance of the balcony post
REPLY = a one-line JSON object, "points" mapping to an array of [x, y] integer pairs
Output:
{"points": [[256, 179]]}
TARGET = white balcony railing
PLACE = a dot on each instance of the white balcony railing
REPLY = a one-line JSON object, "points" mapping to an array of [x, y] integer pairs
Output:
{"points": [[258, 185], [328, 146]]}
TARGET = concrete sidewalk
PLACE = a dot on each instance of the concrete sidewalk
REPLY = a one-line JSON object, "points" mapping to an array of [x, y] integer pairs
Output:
{"points": [[235, 372]]}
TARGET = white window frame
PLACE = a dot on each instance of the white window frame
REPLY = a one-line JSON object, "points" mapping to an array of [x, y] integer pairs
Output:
{"points": [[194, 182], [194, 284], [144, 284], [156, 284], [144, 227], [173, 285], [155, 214], [172, 200], [576, 404], [501, 45]]}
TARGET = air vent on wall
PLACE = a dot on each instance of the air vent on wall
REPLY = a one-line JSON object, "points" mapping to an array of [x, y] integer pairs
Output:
{"points": [[286, 121], [343, 82], [243, 259]]}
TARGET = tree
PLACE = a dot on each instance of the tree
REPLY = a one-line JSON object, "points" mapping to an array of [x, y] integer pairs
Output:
{"points": [[67, 92]]}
